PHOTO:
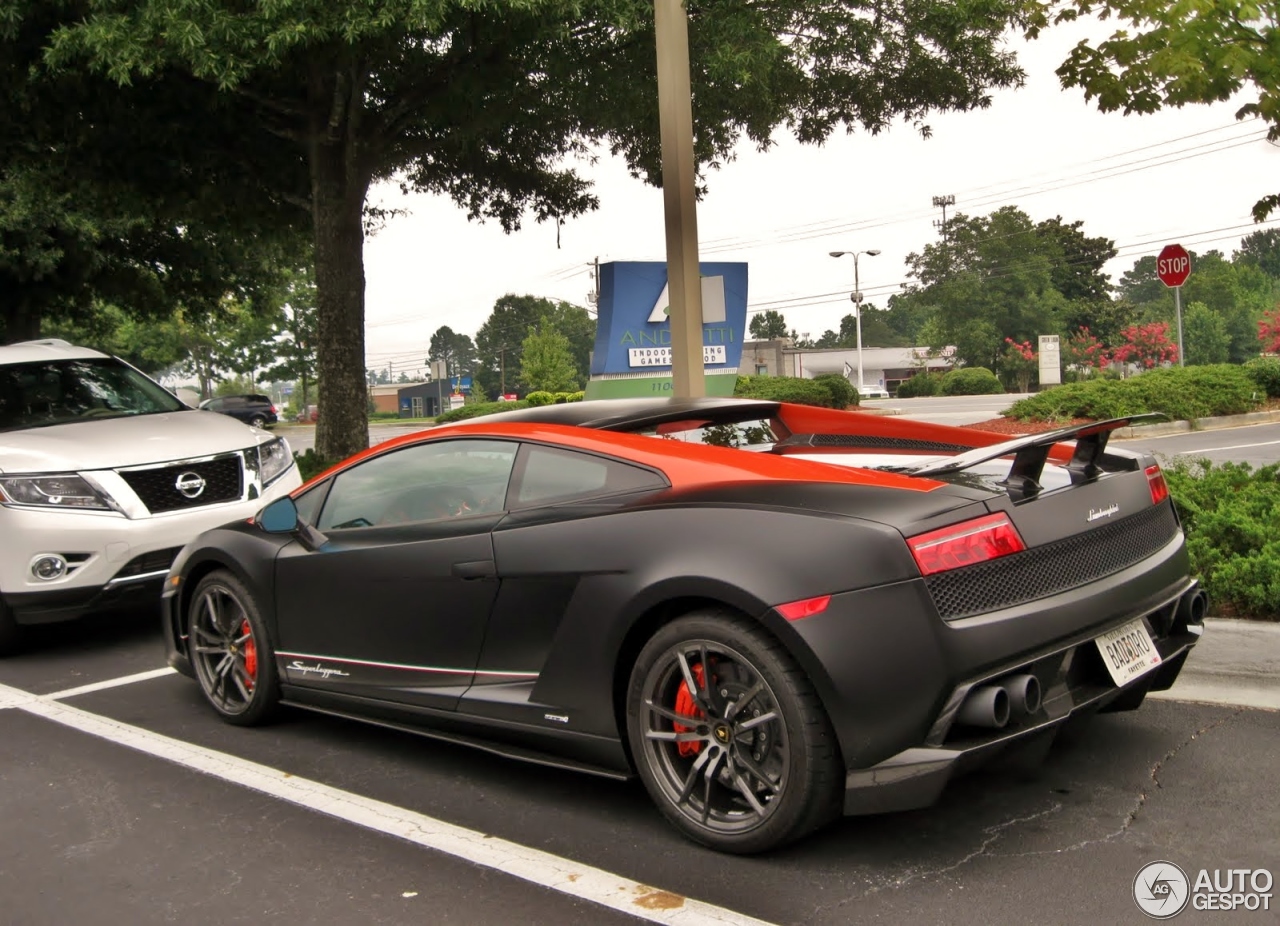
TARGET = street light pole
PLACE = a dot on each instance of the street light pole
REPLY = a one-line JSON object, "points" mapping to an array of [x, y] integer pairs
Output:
{"points": [[856, 298]]}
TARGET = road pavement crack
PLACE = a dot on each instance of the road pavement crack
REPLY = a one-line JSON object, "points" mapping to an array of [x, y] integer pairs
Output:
{"points": [[1158, 767], [993, 834]]}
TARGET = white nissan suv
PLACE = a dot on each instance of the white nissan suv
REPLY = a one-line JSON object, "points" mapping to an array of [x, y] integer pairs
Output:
{"points": [[104, 476]]}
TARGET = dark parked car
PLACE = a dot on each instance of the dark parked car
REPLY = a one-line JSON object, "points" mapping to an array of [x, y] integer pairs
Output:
{"points": [[771, 613], [256, 410]]}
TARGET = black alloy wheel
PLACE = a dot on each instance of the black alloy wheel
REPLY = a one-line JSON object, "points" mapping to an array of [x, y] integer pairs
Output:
{"points": [[229, 651], [729, 737]]}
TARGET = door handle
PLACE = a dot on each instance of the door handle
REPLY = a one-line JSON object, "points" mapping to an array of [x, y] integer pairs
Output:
{"points": [[476, 569]]}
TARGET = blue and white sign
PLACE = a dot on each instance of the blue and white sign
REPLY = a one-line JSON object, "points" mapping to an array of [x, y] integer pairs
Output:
{"points": [[633, 333]]}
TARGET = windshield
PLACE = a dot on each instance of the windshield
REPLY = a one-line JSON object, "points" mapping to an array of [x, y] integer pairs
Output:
{"points": [[34, 395]]}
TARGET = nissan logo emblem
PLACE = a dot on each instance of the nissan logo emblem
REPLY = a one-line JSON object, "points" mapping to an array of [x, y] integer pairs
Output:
{"points": [[190, 484]]}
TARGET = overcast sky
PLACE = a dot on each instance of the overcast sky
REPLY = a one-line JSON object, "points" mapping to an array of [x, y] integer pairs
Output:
{"points": [[1187, 175]]}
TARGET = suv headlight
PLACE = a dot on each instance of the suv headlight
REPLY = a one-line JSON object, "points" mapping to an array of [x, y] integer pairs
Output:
{"points": [[274, 460], [66, 491]]}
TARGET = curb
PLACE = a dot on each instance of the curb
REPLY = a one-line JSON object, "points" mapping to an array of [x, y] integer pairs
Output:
{"points": [[1167, 428]]}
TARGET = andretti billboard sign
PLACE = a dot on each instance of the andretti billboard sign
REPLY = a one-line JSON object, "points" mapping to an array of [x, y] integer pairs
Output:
{"points": [[632, 354]]}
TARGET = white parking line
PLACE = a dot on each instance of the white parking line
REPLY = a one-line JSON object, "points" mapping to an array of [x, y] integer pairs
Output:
{"points": [[111, 683], [535, 866], [1265, 443]]}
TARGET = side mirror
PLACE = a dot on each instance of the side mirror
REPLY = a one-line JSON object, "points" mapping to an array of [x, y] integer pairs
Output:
{"points": [[280, 517]]}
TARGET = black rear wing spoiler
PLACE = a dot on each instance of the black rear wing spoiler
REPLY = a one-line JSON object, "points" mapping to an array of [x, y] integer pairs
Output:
{"points": [[1031, 452]]}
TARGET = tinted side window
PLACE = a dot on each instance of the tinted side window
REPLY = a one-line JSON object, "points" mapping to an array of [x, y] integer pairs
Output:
{"points": [[549, 475], [425, 482]]}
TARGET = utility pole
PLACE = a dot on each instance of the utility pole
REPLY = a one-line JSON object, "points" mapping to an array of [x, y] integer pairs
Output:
{"points": [[942, 202], [502, 364], [593, 297]]}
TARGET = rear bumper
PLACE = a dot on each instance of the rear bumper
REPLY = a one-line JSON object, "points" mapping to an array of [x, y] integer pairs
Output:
{"points": [[1074, 680], [892, 673]]}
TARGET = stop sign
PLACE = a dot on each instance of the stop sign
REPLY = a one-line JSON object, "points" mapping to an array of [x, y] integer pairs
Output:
{"points": [[1173, 266]]}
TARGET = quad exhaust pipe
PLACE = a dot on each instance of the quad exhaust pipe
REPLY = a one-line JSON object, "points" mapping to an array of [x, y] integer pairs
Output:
{"points": [[992, 705], [1193, 606]]}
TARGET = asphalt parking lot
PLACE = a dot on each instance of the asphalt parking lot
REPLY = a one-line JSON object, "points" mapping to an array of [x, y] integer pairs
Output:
{"points": [[132, 803]]}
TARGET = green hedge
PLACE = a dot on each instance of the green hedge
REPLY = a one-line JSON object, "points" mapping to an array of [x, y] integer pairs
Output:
{"points": [[477, 409], [1181, 393], [922, 384], [843, 392], [1266, 373], [970, 381], [820, 391], [1231, 514]]}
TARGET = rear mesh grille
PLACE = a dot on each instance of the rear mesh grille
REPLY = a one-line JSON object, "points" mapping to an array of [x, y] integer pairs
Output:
{"points": [[1052, 568], [159, 491]]}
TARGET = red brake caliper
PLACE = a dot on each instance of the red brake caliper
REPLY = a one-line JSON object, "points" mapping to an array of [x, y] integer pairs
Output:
{"points": [[686, 706], [250, 655]]}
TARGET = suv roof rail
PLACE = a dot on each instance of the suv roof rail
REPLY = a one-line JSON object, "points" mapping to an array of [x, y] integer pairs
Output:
{"points": [[43, 342]]}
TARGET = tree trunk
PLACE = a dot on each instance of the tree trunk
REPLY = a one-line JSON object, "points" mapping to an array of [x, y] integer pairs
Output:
{"points": [[20, 323], [338, 190]]}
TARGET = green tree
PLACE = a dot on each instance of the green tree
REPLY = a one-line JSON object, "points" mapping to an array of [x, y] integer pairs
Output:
{"points": [[769, 325], [484, 102], [992, 278], [1172, 54], [456, 350], [1261, 249], [546, 361], [1204, 335], [500, 340], [126, 196], [296, 339]]}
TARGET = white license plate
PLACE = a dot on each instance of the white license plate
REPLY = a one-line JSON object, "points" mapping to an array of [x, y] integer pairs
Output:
{"points": [[1128, 651]]}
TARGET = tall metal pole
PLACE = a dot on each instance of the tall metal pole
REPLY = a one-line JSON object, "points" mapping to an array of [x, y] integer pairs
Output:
{"points": [[675, 116], [1177, 305], [857, 315]]}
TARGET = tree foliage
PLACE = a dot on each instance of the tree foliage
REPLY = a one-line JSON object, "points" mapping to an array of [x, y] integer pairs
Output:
{"points": [[1172, 54], [456, 350], [484, 102], [130, 196], [500, 340], [546, 361], [769, 325]]}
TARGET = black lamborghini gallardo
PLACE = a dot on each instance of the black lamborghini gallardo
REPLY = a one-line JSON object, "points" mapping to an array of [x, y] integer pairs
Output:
{"points": [[770, 613]]}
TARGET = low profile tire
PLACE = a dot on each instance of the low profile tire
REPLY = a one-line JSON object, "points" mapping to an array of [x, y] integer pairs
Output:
{"points": [[230, 652], [257, 421], [10, 632], [729, 736]]}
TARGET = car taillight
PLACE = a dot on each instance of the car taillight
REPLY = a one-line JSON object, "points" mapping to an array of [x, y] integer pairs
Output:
{"points": [[966, 543], [1155, 482]]}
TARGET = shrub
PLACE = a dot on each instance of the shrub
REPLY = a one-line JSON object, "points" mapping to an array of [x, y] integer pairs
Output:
{"points": [[784, 389], [540, 397], [922, 384], [1266, 373], [1231, 514], [311, 463], [383, 416], [971, 381], [843, 392], [1181, 393], [478, 409]]}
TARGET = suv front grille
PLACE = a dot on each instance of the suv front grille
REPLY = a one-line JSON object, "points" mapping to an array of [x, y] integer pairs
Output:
{"points": [[158, 488], [1051, 568]]}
